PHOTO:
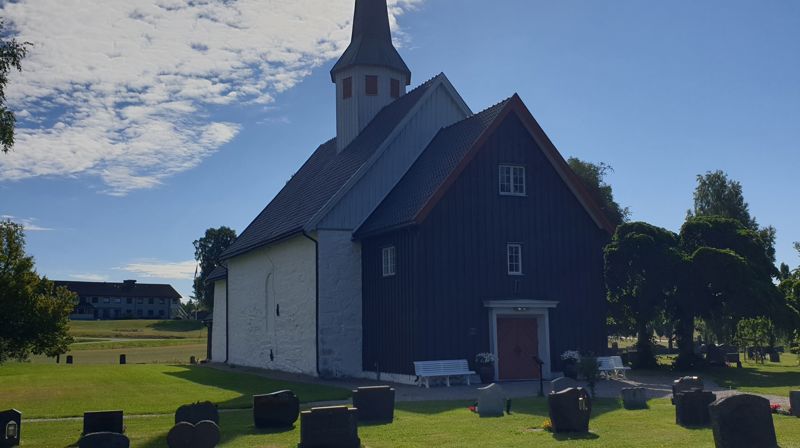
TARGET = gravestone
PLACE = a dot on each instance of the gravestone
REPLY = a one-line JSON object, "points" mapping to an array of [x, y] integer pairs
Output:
{"points": [[197, 412], [192, 360], [794, 402], [733, 358], [123, 359], [570, 410], [11, 427], [491, 401], [742, 421], [715, 355], [69, 359], [104, 440], [103, 421], [276, 410], [204, 434], [774, 356], [374, 404], [691, 408], [563, 383], [634, 397], [329, 427], [686, 384]]}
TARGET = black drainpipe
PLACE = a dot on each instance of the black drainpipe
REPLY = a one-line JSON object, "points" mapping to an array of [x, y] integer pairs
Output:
{"points": [[316, 317]]}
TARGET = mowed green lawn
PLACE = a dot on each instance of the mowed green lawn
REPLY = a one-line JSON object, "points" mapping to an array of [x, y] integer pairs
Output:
{"points": [[768, 378], [42, 390], [445, 425], [155, 354], [138, 329]]}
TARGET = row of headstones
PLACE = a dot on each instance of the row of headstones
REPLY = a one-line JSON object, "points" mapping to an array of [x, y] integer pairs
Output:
{"points": [[123, 359]]}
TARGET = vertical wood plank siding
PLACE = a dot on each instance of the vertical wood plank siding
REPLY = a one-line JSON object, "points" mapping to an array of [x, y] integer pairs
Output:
{"points": [[456, 259]]}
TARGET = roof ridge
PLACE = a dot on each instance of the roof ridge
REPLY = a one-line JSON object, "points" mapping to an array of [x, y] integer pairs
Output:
{"points": [[481, 113]]}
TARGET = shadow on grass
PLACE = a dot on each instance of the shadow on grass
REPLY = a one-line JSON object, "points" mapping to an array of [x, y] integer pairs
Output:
{"points": [[534, 407], [177, 325], [567, 436]]}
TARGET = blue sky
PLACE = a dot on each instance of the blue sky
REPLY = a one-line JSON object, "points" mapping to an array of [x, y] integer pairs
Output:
{"points": [[144, 123]]}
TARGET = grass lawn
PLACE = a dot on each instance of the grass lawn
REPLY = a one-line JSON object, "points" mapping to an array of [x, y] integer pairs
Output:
{"points": [[157, 354], [40, 390], [444, 425], [138, 329], [768, 378]]}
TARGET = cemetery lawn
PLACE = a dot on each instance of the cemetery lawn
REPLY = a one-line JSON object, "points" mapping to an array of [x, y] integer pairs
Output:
{"points": [[443, 425], [50, 390], [768, 378], [138, 329]]}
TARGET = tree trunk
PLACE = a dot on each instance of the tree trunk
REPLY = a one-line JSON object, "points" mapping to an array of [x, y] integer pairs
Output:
{"points": [[685, 334]]}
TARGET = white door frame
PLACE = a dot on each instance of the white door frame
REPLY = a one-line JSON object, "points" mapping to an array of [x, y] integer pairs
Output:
{"points": [[522, 308]]}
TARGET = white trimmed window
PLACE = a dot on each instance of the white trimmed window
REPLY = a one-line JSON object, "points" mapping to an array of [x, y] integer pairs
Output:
{"points": [[514, 257], [512, 180], [389, 261]]}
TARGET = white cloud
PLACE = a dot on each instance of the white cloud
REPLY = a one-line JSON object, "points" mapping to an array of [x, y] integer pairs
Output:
{"points": [[90, 277], [122, 89], [29, 224], [181, 270]]}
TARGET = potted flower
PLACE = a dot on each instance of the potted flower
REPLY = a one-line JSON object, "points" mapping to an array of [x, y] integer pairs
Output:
{"points": [[485, 363], [569, 362]]}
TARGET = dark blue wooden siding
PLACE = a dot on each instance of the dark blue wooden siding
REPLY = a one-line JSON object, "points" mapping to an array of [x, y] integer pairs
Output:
{"points": [[456, 259]]}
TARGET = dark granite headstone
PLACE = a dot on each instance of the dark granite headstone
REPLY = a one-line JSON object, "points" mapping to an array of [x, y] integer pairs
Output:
{"points": [[563, 383], [103, 421], [123, 359], [634, 397], [774, 356], [197, 412], [329, 427], [104, 440], [742, 421], [11, 427], [204, 434], [715, 355], [374, 404], [733, 358], [691, 408], [570, 410], [276, 410], [686, 384], [69, 359], [794, 402]]}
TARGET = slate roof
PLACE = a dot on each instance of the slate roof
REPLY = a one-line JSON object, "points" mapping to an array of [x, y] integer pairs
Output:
{"points": [[219, 273], [429, 172], [323, 174], [104, 289]]}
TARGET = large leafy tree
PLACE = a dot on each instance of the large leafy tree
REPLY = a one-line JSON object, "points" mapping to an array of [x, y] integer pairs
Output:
{"points": [[11, 54], [35, 312], [640, 267], [594, 176], [207, 251]]}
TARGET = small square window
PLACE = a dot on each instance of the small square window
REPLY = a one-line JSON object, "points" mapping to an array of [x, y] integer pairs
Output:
{"points": [[129, 301], [161, 301], [150, 301], [149, 312], [94, 299], [395, 88], [347, 88], [389, 257], [372, 85], [140, 300], [514, 256], [106, 300], [512, 180]]}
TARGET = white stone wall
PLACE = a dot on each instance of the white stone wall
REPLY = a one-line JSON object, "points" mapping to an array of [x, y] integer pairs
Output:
{"points": [[339, 304], [281, 276], [218, 331]]}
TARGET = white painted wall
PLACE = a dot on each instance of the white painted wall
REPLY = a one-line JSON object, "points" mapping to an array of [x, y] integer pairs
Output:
{"points": [[218, 332], [339, 304], [259, 281]]}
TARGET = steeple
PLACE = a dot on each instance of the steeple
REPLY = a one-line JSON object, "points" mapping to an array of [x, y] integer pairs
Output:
{"points": [[370, 74]]}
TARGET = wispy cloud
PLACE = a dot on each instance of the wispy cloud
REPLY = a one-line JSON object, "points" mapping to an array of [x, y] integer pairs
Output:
{"points": [[128, 90], [181, 270], [90, 277], [29, 224]]}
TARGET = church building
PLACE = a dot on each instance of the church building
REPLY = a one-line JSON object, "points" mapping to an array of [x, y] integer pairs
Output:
{"points": [[422, 231]]}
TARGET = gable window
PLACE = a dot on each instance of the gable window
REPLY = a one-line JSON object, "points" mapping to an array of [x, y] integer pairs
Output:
{"points": [[395, 88], [512, 180], [372, 85], [514, 256], [389, 256], [347, 88]]}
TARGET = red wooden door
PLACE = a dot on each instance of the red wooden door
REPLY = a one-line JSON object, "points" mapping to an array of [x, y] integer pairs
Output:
{"points": [[517, 344]]}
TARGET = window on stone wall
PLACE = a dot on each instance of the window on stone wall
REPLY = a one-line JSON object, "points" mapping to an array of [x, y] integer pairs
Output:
{"points": [[372, 85], [389, 256]]}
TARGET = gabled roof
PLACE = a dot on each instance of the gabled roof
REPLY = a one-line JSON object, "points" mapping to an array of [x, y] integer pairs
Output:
{"points": [[219, 273], [318, 180], [448, 154], [103, 289]]}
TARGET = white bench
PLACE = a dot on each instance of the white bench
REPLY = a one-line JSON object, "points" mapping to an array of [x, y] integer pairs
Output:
{"points": [[425, 370], [611, 365]]}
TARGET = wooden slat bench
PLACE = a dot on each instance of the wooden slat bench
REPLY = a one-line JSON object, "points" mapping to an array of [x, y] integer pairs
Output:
{"points": [[425, 370]]}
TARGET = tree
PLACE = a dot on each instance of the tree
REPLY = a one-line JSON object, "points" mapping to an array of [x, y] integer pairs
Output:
{"points": [[11, 54], [207, 251], [36, 312], [593, 176], [640, 267], [757, 333]]}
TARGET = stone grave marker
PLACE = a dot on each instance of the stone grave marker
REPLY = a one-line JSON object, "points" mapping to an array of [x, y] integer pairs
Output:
{"points": [[123, 359], [375, 404], [104, 440], [742, 421], [329, 427], [794, 402], [563, 383], [103, 421], [774, 356], [491, 401], [570, 410], [11, 427], [276, 410], [197, 412], [634, 397], [204, 434], [69, 359], [691, 408], [686, 384]]}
